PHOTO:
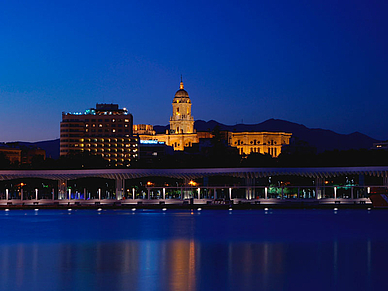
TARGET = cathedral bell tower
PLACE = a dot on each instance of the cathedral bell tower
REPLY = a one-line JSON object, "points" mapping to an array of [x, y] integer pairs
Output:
{"points": [[181, 120]]}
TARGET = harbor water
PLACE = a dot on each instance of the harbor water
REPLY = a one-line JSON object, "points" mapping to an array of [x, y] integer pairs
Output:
{"points": [[271, 249]]}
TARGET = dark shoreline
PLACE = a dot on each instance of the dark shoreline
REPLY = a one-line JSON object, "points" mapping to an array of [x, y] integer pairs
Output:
{"points": [[189, 206]]}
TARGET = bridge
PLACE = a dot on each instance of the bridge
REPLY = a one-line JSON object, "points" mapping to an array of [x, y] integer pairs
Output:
{"points": [[248, 189]]}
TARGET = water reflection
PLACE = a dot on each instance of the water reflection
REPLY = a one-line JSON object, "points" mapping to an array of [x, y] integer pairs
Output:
{"points": [[213, 250], [187, 265]]}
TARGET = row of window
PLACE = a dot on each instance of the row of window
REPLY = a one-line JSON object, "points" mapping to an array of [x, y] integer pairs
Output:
{"points": [[106, 130], [128, 156], [105, 125], [100, 149], [271, 151], [106, 140], [255, 142]]}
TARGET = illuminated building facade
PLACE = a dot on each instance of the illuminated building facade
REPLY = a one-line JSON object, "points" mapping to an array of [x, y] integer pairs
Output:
{"points": [[182, 133], [22, 154], [143, 129], [181, 121], [12, 154], [105, 130], [259, 142]]}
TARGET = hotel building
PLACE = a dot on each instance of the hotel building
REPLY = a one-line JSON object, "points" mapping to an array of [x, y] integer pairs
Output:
{"points": [[105, 130]]}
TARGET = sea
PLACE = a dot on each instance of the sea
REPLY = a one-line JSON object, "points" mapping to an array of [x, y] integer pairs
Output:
{"points": [[134, 249]]}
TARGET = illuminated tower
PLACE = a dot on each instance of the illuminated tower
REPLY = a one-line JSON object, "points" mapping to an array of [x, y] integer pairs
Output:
{"points": [[181, 120]]}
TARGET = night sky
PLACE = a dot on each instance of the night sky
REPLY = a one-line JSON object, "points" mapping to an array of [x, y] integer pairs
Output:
{"points": [[319, 63]]}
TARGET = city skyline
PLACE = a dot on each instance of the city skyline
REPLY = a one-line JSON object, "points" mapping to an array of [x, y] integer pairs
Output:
{"points": [[320, 64]]}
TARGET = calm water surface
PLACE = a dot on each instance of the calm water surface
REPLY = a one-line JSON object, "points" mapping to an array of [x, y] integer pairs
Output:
{"points": [[184, 250]]}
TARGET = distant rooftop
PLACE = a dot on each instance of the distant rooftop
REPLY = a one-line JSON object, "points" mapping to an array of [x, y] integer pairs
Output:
{"points": [[103, 109], [106, 106]]}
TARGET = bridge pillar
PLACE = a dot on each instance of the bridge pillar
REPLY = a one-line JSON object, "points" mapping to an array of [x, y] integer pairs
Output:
{"points": [[62, 187], [318, 188], [120, 183], [249, 192], [385, 181]]}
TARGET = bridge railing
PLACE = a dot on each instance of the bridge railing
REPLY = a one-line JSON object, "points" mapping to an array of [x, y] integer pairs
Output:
{"points": [[202, 192]]}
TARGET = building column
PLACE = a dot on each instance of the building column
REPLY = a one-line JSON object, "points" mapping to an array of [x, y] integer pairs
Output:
{"points": [[21, 194], [119, 188], [230, 193], [6, 194], [133, 194], [164, 193], [62, 187], [335, 192], [36, 194], [266, 193], [99, 193]]}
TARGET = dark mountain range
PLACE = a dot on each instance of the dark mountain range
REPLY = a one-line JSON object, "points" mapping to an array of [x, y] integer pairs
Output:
{"points": [[50, 146], [322, 139]]}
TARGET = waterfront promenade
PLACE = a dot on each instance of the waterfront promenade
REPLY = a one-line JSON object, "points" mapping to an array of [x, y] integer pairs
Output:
{"points": [[241, 187]]}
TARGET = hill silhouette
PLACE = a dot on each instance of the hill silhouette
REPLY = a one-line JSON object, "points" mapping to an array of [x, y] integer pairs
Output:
{"points": [[321, 139]]}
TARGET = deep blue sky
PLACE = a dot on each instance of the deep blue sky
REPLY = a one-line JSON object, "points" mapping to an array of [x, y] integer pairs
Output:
{"points": [[320, 63]]}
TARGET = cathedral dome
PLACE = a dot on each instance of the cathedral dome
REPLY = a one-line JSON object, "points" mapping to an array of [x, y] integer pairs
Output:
{"points": [[181, 95]]}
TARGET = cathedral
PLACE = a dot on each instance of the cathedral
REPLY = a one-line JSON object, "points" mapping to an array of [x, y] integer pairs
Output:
{"points": [[182, 133]]}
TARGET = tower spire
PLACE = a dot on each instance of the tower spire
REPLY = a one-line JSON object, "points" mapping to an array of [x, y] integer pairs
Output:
{"points": [[181, 87]]}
